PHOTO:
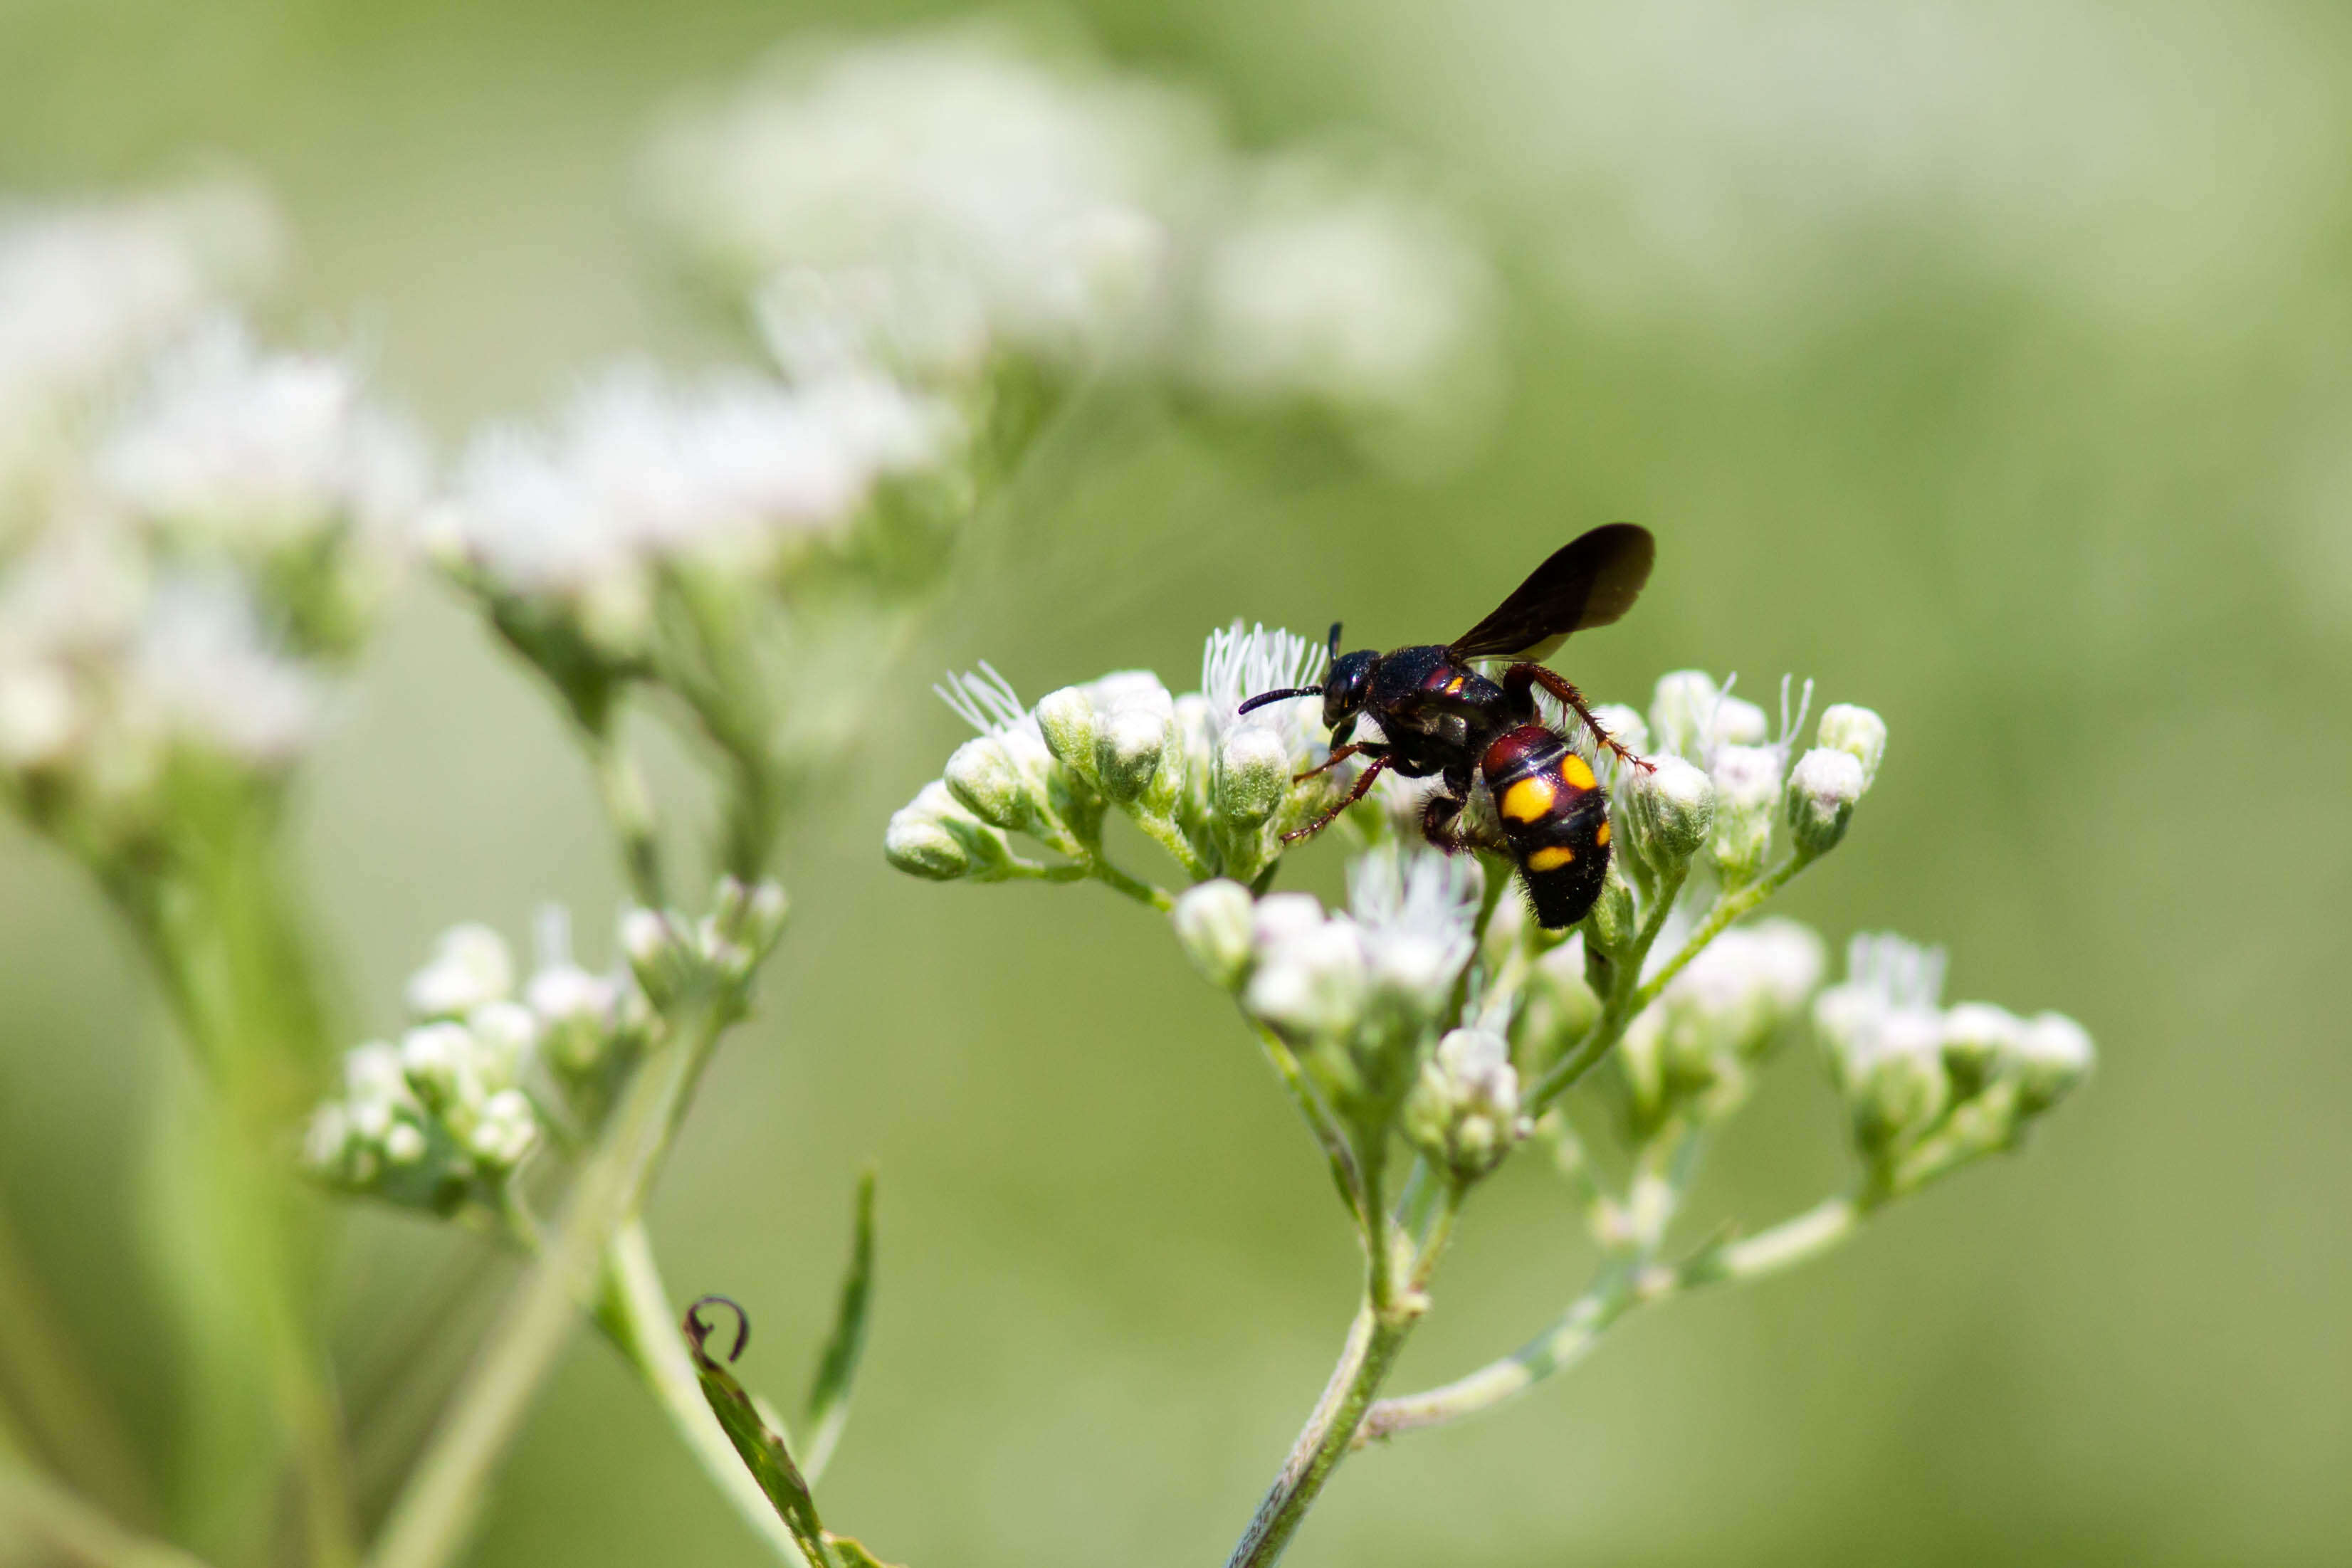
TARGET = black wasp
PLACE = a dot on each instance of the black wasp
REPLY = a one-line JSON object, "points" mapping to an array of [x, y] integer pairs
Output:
{"points": [[1437, 716]]}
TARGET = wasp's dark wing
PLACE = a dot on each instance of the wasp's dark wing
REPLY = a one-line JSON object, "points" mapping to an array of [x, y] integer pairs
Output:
{"points": [[1590, 582]]}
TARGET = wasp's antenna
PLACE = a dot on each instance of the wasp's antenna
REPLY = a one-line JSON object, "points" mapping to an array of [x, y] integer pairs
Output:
{"points": [[1333, 653], [1264, 697]]}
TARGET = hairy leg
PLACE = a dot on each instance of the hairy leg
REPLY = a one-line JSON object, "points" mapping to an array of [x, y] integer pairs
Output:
{"points": [[1520, 679], [1364, 782]]}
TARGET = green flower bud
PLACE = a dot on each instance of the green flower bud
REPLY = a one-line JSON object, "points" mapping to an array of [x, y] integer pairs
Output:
{"points": [[933, 836], [1859, 733], [1979, 1038], [1820, 799], [2052, 1056], [1253, 775], [1896, 1086], [1746, 788], [1137, 730], [504, 1131], [1681, 710], [1464, 1111], [1669, 810], [1214, 922], [984, 778], [1067, 720]]}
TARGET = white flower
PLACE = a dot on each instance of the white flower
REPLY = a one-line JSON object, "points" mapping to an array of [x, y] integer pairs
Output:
{"points": [[470, 968], [87, 292], [1312, 982], [1336, 291], [1417, 912], [206, 675], [230, 448], [893, 166], [636, 474]]}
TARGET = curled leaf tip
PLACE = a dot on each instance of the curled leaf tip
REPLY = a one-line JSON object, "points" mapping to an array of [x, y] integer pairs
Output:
{"points": [[696, 1331]]}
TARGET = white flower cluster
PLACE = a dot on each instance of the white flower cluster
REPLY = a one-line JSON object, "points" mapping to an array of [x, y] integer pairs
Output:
{"points": [[192, 531], [1214, 785], [1355, 992], [733, 478], [940, 199], [1720, 1017], [88, 291], [1722, 783], [1919, 1077], [442, 1117], [1464, 1111]]}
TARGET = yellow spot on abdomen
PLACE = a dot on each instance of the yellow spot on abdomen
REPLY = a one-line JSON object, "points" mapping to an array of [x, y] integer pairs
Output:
{"points": [[1453, 686], [1600, 835], [1572, 768], [1551, 859], [1528, 800]]}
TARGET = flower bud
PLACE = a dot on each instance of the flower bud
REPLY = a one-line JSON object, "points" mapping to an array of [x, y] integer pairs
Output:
{"points": [[1859, 733], [1067, 720], [1895, 1085], [982, 775], [437, 1059], [1822, 790], [1681, 711], [1613, 922], [1136, 734], [2052, 1056], [748, 917], [503, 1034], [1977, 1039], [38, 716], [469, 969], [1214, 922], [504, 1131], [1253, 774], [1281, 917], [933, 836], [1738, 722], [1669, 810], [1746, 788], [1626, 726], [1464, 1110], [1313, 983]]}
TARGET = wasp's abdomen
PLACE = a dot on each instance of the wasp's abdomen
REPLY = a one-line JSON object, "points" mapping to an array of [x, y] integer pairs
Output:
{"points": [[1555, 821]]}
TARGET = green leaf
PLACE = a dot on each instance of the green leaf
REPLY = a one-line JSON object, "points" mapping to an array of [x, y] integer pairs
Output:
{"points": [[761, 1449], [828, 1401], [853, 1553]]}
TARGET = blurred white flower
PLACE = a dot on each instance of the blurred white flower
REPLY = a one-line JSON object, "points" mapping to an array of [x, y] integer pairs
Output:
{"points": [[87, 290], [232, 449], [1340, 291], [636, 474], [205, 669], [934, 182]]}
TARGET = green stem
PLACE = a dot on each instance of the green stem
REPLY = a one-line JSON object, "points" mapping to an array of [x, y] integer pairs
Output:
{"points": [[634, 1310], [1311, 1110], [436, 1508], [1372, 1350], [629, 807], [35, 1508], [77, 1427], [1102, 870], [1618, 1289], [1382, 1324]]}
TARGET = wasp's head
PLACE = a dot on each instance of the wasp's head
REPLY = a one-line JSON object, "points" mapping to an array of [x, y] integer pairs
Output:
{"points": [[1343, 691]]}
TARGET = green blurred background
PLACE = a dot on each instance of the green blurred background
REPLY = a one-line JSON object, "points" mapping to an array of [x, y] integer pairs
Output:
{"points": [[1989, 362]]}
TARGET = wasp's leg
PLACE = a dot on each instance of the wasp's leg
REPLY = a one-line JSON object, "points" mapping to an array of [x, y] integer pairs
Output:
{"points": [[1341, 753], [1442, 825], [1364, 782], [1517, 682]]}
